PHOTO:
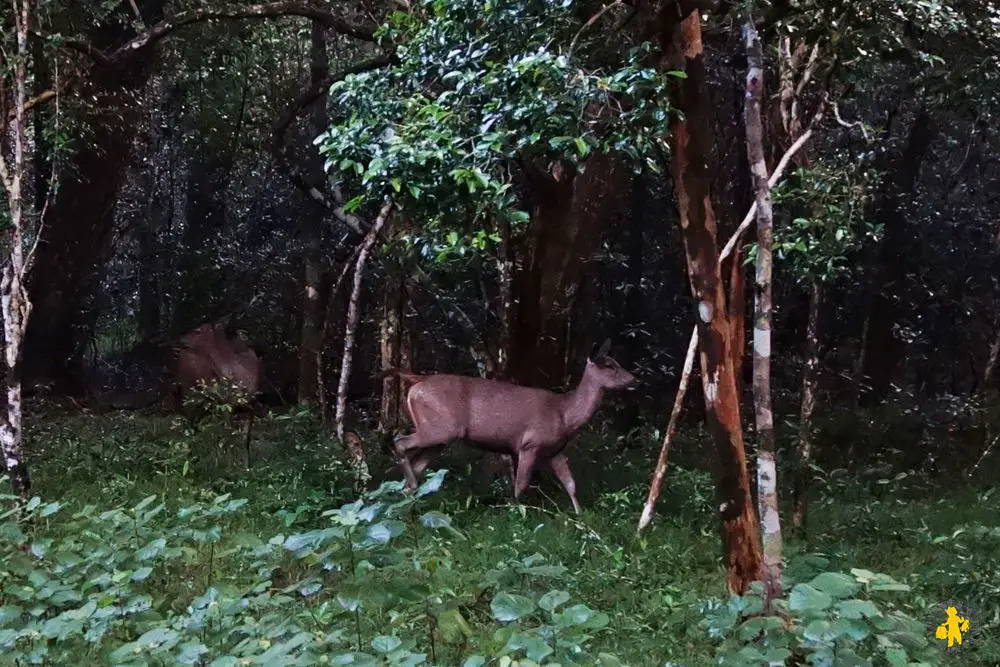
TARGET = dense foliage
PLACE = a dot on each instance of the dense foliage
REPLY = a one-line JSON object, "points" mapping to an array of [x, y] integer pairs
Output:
{"points": [[183, 563], [478, 88]]}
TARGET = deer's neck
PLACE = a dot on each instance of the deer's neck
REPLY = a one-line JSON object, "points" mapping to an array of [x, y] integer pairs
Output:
{"points": [[582, 403]]}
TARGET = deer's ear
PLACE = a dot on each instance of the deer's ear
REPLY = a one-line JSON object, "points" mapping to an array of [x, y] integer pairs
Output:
{"points": [[603, 352]]}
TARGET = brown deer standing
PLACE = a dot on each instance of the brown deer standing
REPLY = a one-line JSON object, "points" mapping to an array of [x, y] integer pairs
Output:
{"points": [[207, 354], [528, 424]]}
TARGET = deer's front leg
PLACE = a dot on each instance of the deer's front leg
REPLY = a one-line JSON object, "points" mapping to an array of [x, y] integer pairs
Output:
{"points": [[560, 466]]}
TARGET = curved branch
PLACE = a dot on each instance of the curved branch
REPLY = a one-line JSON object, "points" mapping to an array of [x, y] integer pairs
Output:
{"points": [[259, 11], [276, 147], [154, 34]]}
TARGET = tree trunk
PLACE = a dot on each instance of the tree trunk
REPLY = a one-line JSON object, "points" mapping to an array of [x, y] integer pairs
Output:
{"points": [[738, 316], [361, 475], [689, 144], [77, 232], [391, 348], [767, 476], [881, 348], [506, 271], [800, 500], [566, 222], [311, 232], [16, 308]]}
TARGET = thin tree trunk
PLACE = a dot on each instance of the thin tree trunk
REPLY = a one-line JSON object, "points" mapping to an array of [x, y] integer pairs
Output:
{"points": [[661, 463], [359, 463], [331, 300], [13, 295], [738, 315], [800, 501], [312, 303], [390, 339], [767, 476], [727, 250], [690, 140], [506, 299]]}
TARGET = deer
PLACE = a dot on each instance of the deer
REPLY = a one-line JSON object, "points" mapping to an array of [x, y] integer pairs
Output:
{"points": [[207, 354], [527, 424]]}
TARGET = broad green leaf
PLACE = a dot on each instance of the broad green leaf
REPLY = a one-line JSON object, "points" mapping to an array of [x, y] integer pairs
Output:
{"points": [[856, 609], [386, 643], [509, 607], [835, 584], [806, 598], [553, 599]]}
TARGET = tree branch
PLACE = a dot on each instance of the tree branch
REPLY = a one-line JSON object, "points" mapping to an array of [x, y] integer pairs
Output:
{"points": [[151, 36], [276, 145], [259, 11]]}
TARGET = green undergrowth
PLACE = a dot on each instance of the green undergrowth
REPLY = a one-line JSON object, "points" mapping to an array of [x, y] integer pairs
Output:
{"points": [[151, 544]]}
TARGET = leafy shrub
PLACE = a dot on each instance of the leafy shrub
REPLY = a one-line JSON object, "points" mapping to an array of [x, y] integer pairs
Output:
{"points": [[834, 619], [147, 585]]}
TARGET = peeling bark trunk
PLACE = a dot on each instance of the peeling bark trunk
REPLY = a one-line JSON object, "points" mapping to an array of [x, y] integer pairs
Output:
{"points": [[311, 234], [800, 500], [77, 231], [14, 302], [767, 476], [361, 474], [689, 143]]}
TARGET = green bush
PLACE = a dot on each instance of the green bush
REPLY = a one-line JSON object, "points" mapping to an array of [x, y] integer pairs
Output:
{"points": [[833, 620], [142, 586]]}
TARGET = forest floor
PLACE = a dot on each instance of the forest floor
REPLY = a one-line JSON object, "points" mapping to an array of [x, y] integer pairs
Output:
{"points": [[943, 543]]}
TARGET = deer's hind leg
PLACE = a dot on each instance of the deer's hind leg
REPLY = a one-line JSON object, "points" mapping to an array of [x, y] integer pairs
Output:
{"points": [[560, 466], [415, 452]]}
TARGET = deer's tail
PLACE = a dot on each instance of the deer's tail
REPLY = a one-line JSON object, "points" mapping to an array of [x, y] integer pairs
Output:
{"points": [[405, 376]]}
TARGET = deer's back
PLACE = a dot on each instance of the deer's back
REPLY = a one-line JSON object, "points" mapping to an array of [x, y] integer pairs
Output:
{"points": [[486, 411]]}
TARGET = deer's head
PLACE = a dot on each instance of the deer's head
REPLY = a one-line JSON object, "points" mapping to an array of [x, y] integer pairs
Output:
{"points": [[608, 372]]}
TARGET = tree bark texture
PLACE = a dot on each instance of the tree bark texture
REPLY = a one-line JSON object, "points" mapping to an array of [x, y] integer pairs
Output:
{"points": [[310, 233], [767, 476], [506, 271], [569, 214], [77, 232], [689, 143], [14, 302], [350, 330], [881, 349], [390, 335], [738, 315], [800, 500]]}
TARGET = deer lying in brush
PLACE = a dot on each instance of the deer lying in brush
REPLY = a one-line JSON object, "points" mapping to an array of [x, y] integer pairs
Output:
{"points": [[207, 354], [528, 424]]}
